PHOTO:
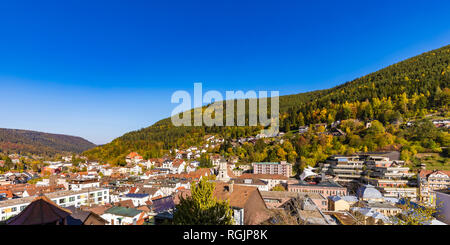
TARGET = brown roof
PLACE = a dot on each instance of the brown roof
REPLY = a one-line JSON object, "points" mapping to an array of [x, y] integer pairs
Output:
{"points": [[177, 162], [99, 209], [125, 203], [239, 196], [41, 211]]}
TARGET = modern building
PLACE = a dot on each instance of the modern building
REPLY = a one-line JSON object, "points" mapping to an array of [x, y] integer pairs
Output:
{"points": [[282, 168], [10, 208]]}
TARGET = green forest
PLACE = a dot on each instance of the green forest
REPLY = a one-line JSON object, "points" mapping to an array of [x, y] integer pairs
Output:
{"points": [[414, 90], [25, 142]]}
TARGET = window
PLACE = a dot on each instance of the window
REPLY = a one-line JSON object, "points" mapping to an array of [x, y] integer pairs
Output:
{"points": [[22, 207], [14, 209], [99, 193], [78, 197], [62, 200], [71, 199]]}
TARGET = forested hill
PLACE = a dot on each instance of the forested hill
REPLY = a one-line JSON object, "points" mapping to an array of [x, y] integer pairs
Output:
{"points": [[38, 143], [408, 89]]}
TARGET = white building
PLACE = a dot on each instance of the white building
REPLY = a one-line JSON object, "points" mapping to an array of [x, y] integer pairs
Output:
{"points": [[12, 207]]}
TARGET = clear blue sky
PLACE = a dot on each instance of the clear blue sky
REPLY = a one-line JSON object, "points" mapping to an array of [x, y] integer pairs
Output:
{"points": [[98, 69]]}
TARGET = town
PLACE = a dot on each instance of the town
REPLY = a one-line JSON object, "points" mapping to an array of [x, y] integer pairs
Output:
{"points": [[363, 188]]}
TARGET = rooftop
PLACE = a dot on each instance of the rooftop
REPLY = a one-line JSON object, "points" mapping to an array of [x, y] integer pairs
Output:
{"points": [[124, 211]]}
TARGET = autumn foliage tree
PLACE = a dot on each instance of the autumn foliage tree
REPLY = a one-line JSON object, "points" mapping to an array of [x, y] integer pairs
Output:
{"points": [[202, 208]]}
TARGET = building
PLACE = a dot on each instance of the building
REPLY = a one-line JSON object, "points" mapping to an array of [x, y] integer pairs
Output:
{"points": [[10, 208], [41, 211], [133, 158], [429, 182], [81, 217], [345, 168], [443, 207], [260, 184], [276, 199], [369, 193], [272, 180], [337, 203], [123, 216], [138, 199], [282, 168], [223, 172], [247, 203], [326, 188], [79, 184]]}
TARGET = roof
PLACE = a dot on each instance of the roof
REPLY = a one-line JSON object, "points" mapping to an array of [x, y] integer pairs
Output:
{"points": [[238, 197], [123, 211], [78, 216], [134, 155], [99, 209], [163, 204], [136, 195], [425, 173], [126, 203], [147, 190], [368, 192], [41, 211]]}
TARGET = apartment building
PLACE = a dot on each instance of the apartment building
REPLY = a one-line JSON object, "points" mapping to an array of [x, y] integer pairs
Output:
{"points": [[12, 207], [392, 178], [345, 168], [282, 168], [429, 182]]}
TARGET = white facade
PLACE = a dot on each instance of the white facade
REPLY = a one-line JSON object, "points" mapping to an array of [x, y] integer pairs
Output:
{"points": [[13, 207]]}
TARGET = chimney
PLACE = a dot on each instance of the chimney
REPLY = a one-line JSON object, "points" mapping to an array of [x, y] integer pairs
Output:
{"points": [[231, 186]]}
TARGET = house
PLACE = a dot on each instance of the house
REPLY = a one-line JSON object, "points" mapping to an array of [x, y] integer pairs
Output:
{"points": [[41, 211], [247, 203], [81, 217], [336, 203], [138, 199], [133, 158], [123, 216], [260, 184], [272, 180], [135, 170], [79, 184], [177, 166], [430, 181]]}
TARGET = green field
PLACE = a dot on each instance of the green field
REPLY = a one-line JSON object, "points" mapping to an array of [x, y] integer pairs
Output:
{"points": [[433, 161]]}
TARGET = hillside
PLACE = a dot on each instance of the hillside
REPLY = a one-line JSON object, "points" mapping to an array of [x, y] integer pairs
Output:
{"points": [[408, 89], [44, 144]]}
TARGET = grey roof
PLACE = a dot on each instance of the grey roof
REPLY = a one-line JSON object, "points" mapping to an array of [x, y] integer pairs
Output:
{"points": [[350, 198], [369, 192]]}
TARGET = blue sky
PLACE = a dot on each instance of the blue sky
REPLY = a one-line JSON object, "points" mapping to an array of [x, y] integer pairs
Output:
{"points": [[98, 69]]}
